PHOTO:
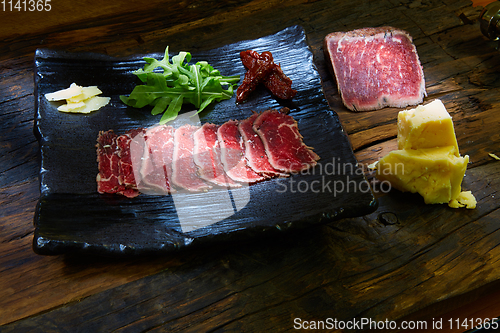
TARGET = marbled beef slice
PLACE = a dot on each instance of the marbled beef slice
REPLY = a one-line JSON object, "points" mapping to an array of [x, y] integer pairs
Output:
{"points": [[184, 170], [375, 68], [255, 152], [110, 165], [156, 166], [233, 154], [207, 157], [283, 143]]}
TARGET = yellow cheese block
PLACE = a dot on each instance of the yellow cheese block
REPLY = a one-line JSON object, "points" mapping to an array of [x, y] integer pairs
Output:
{"points": [[435, 173], [426, 126]]}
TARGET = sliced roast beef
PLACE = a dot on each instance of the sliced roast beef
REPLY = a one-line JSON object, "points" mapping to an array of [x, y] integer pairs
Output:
{"points": [[161, 159], [156, 165], [123, 142], [108, 159], [184, 170], [233, 154], [255, 152], [283, 142], [110, 178], [375, 68], [207, 156]]}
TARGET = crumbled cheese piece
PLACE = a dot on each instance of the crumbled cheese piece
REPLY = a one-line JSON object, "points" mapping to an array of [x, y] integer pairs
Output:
{"points": [[427, 161], [426, 126], [494, 156], [435, 173], [79, 99], [465, 199], [372, 166]]}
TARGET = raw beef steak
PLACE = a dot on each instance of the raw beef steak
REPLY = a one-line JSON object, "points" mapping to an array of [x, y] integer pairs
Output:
{"points": [[375, 68], [115, 166]]}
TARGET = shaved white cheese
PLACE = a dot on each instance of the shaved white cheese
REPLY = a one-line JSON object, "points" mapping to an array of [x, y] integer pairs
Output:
{"points": [[92, 104], [72, 91], [71, 106], [79, 99], [87, 92]]}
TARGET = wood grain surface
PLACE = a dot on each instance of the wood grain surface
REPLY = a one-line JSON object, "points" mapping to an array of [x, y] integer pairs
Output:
{"points": [[406, 261]]}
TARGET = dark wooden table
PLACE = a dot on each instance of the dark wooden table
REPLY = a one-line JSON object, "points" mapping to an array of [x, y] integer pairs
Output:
{"points": [[423, 263]]}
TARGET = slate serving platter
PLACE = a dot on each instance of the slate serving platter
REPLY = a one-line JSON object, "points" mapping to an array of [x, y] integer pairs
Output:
{"points": [[72, 217]]}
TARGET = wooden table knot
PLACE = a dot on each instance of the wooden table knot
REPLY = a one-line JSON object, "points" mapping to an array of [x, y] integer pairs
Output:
{"points": [[388, 218]]}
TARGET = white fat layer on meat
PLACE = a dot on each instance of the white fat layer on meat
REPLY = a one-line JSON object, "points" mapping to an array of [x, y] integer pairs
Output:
{"points": [[292, 128], [378, 53], [362, 54], [339, 44], [397, 39]]}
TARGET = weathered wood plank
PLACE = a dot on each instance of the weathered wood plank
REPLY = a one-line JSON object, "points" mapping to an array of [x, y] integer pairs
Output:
{"points": [[364, 267]]}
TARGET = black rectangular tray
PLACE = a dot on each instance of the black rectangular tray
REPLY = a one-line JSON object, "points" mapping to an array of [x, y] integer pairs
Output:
{"points": [[71, 216]]}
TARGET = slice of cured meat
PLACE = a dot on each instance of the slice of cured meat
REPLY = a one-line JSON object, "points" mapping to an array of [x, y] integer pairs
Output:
{"points": [[156, 166], [123, 142], [233, 154], [207, 156], [161, 160], [255, 152], [109, 161], [283, 142], [184, 170], [375, 68], [109, 179]]}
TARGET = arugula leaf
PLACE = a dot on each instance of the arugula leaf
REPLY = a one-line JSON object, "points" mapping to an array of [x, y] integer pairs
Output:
{"points": [[170, 84]]}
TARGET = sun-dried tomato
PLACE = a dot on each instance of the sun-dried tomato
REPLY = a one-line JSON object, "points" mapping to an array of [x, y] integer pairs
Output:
{"points": [[280, 84], [262, 69]]}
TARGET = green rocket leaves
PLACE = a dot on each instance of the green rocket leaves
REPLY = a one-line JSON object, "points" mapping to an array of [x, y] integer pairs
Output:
{"points": [[169, 85]]}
